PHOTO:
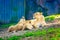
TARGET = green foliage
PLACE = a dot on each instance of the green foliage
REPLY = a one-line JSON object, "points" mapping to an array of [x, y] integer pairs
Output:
{"points": [[27, 34], [49, 18], [50, 32], [13, 38], [35, 33], [1, 38], [53, 39]]}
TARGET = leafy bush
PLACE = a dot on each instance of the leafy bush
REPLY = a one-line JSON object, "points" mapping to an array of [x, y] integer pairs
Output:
{"points": [[13, 38], [1, 38], [27, 34], [50, 18], [53, 39]]}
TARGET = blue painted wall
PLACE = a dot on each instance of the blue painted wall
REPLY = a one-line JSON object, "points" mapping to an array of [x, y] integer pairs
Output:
{"points": [[13, 10], [10, 9]]}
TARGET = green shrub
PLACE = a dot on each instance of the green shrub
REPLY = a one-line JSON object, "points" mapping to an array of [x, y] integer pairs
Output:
{"points": [[37, 33], [53, 39], [1, 38], [49, 18], [50, 30], [27, 34], [13, 38]]}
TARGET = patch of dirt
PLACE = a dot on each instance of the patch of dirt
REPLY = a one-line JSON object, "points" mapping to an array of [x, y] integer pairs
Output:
{"points": [[4, 33]]}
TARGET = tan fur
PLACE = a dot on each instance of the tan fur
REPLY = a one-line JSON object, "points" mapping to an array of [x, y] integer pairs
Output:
{"points": [[36, 24], [39, 19], [15, 27], [37, 15], [18, 26], [22, 20], [27, 25]]}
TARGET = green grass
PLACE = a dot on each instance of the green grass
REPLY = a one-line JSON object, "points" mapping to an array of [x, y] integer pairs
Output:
{"points": [[14, 38], [51, 17], [1, 38], [39, 33]]}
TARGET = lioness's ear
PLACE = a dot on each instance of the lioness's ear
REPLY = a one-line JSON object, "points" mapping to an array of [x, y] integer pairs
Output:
{"points": [[33, 17], [23, 17]]}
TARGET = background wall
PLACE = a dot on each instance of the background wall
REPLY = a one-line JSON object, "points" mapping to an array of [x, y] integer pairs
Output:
{"points": [[13, 10], [48, 7]]}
